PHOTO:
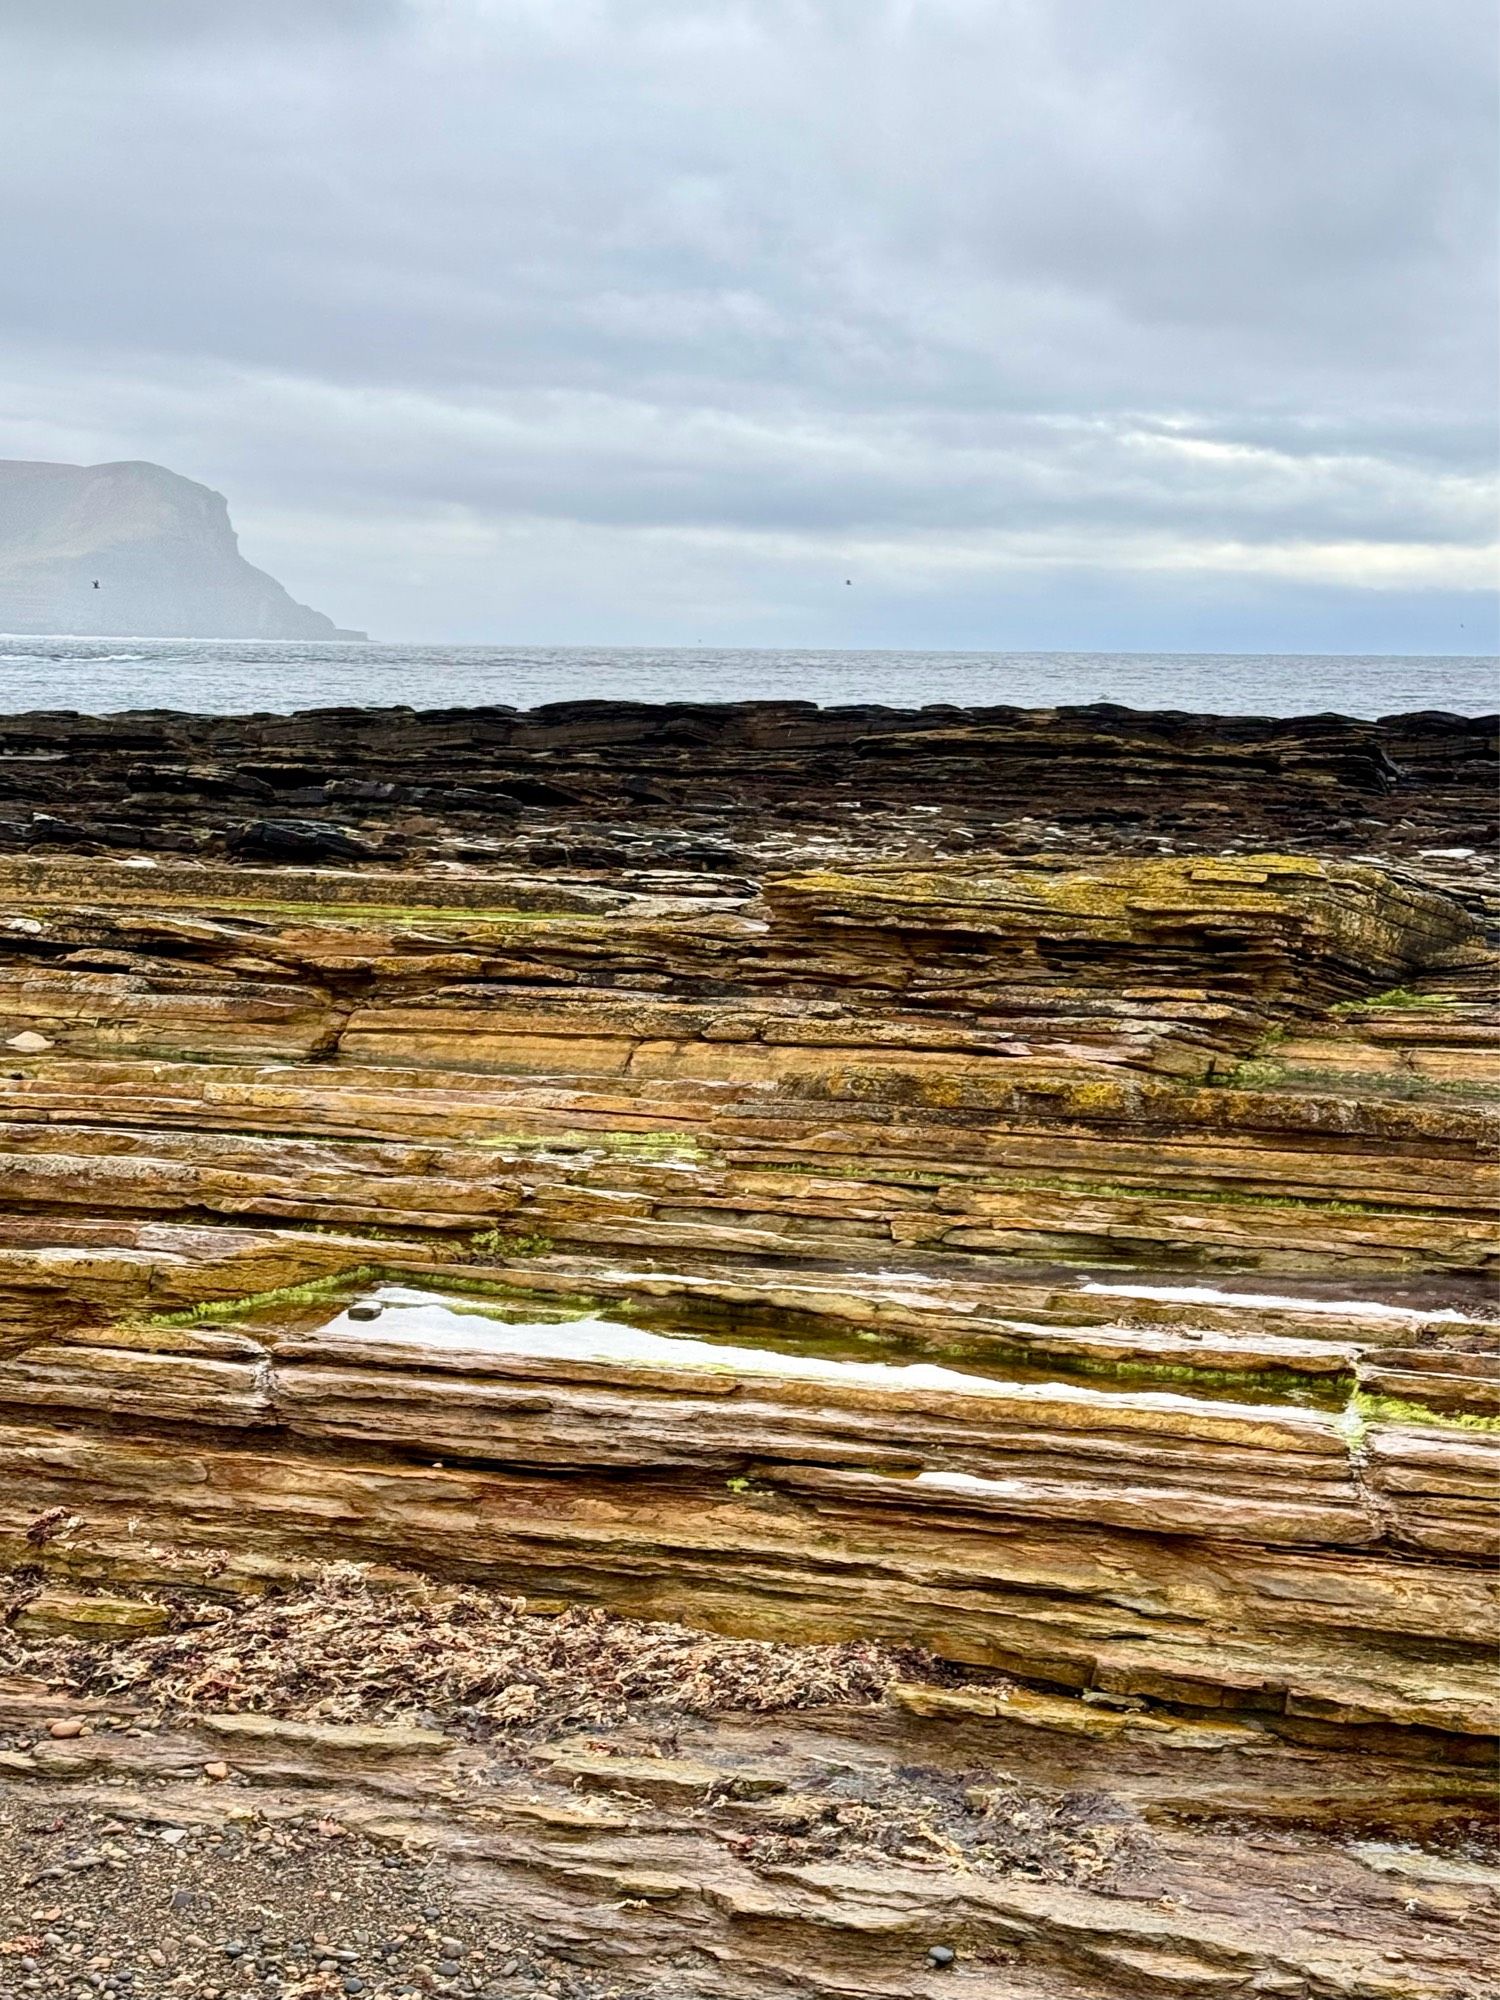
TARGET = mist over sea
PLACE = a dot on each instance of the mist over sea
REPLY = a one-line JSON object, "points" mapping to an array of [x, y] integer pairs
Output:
{"points": [[105, 676]]}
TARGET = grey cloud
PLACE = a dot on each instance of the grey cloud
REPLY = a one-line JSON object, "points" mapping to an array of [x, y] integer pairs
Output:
{"points": [[802, 267], [144, 25]]}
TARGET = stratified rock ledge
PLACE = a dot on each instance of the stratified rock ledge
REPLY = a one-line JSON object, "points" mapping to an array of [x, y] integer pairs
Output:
{"points": [[1009, 1190]]}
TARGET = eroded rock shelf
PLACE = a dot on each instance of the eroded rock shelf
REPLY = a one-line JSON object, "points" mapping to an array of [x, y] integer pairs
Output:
{"points": [[1015, 1186]]}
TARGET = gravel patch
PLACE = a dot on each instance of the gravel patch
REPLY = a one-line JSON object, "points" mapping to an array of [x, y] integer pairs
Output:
{"points": [[91, 1906]]}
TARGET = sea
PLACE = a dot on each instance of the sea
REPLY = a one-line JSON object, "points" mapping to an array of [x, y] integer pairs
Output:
{"points": [[224, 677]]}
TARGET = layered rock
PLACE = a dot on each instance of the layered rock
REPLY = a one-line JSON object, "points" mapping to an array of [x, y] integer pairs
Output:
{"points": [[1070, 1260], [690, 792]]}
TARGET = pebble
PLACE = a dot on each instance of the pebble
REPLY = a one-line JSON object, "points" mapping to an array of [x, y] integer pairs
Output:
{"points": [[67, 1725], [941, 1954]]}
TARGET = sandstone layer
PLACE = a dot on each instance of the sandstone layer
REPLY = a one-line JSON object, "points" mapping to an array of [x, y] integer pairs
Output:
{"points": [[1017, 1186]]}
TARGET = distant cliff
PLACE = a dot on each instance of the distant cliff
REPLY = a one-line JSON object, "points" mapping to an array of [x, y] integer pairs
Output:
{"points": [[131, 549]]}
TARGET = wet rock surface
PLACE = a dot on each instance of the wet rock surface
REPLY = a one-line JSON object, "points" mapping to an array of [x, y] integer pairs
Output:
{"points": [[708, 789], [990, 1213]]}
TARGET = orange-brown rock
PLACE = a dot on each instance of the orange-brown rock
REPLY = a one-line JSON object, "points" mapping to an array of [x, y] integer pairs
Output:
{"points": [[621, 1174]]}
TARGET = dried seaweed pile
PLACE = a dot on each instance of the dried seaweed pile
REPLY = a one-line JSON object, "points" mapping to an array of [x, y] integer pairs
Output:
{"points": [[1005, 1828], [345, 1649]]}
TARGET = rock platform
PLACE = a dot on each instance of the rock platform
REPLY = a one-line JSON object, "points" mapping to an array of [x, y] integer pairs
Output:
{"points": [[1017, 1186]]}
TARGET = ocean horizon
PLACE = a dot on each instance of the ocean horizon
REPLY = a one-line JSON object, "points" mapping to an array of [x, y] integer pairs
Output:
{"points": [[109, 676]]}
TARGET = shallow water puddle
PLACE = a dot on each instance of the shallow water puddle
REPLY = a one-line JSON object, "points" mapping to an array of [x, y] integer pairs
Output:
{"points": [[1209, 1295], [524, 1329], [430, 1319]]}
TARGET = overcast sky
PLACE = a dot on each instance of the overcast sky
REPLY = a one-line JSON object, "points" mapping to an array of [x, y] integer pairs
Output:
{"points": [[1075, 323]]}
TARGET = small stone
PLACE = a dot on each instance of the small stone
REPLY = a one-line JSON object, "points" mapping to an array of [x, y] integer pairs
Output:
{"points": [[365, 1309], [216, 1770], [450, 1947], [28, 1042], [941, 1954], [67, 1725]]}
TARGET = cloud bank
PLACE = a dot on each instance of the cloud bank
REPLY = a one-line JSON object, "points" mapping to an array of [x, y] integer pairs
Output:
{"points": [[1041, 322]]}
